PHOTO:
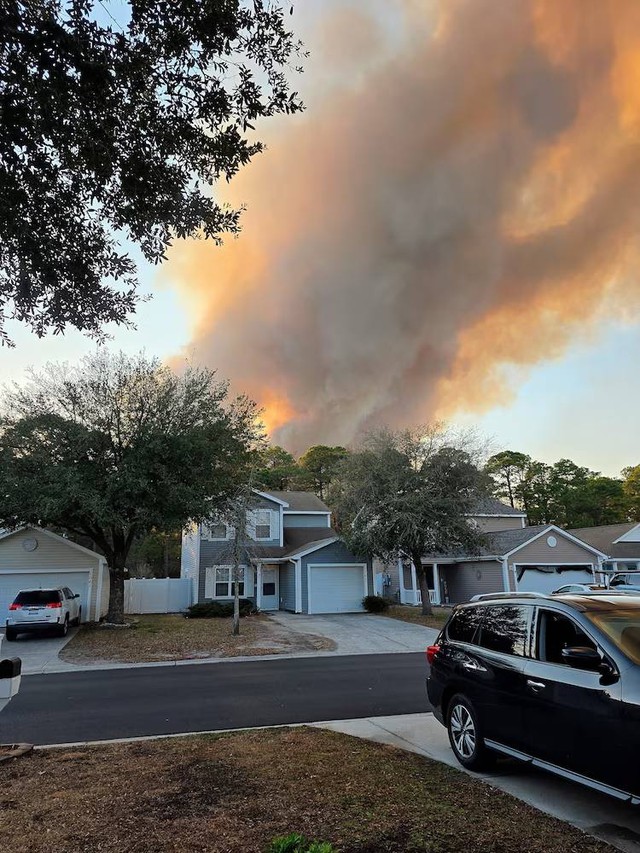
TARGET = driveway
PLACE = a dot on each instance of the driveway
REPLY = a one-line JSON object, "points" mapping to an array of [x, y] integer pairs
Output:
{"points": [[360, 633], [39, 652]]}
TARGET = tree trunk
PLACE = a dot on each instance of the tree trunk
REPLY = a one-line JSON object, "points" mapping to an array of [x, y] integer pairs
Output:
{"points": [[236, 605], [424, 587], [115, 616]]}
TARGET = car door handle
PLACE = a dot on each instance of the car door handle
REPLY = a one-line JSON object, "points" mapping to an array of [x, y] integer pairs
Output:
{"points": [[536, 685], [473, 666]]}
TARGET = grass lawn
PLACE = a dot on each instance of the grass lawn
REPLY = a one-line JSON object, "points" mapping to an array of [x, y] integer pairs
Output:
{"points": [[172, 637], [234, 793], [414, 614]]}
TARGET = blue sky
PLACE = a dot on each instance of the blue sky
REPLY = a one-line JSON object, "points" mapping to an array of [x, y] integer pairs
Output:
{"points": [[584, 406]]}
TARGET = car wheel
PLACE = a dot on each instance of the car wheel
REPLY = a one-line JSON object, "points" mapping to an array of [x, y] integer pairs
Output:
{"points": [[77, 621], [10, 634], [64, 628], [465, 735]]}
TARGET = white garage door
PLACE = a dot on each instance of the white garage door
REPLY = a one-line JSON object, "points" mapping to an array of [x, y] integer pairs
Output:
{"points": [[336, 589], [535, 580], [10, 586]]}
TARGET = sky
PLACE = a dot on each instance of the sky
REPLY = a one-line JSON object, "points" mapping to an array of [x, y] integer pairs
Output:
{"points": [[540, 361]]}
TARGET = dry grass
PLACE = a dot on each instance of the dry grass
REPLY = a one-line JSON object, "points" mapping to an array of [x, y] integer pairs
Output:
{"points": [[172, 637], [414, 614], [233, 794]]}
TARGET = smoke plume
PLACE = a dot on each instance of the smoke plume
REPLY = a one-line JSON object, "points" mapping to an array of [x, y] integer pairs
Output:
{"points": [[466, 196]]}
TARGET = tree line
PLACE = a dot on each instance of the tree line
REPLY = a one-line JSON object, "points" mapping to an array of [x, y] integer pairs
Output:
{"points": [[564, 493]]}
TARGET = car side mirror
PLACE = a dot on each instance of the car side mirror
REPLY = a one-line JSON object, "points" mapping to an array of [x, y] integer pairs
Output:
{"points": [[77, 595], [582, 657]]}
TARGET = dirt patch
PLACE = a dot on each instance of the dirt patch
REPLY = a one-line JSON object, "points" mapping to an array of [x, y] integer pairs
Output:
{"points": [[413, 614], [172, 637], [234, 793]]}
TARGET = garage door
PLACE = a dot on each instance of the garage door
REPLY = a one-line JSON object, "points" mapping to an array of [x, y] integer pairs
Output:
{"points": [[11, 584], [538, 580], [336, 589]]}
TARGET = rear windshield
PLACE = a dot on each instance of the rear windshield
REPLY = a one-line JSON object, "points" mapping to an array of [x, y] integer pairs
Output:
{"points": [[38, 597], [622, 626]]}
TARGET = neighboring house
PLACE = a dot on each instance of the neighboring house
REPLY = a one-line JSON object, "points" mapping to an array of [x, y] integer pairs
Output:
{"points": [[33, 558], [512, 558], [293, 561], [620, 542]]}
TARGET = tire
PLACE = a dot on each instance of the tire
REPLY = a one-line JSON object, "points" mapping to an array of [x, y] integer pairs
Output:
{"points": [[465, 735], [78, 619], [63, 630], [10, 635]]}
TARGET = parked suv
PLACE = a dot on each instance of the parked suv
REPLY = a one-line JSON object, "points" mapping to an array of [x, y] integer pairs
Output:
{"points": [[41, 610], [553, 681]]}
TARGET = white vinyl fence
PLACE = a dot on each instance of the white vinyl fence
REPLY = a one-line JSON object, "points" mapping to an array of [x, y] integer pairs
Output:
{"points": [[157, 595]]}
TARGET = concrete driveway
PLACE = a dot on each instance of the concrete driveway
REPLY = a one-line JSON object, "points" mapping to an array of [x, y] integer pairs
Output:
{"points": [[39, 652], [360, 633]]}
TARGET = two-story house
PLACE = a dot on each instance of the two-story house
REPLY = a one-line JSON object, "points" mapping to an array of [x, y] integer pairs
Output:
{"points": [[293, 559], [512, 557]]}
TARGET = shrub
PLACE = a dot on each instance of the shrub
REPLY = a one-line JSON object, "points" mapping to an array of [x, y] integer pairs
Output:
{"points": [[296, 843], [218, 609], [374, 604]]}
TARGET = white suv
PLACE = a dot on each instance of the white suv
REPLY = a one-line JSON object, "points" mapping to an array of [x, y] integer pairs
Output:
{"points": [[42, 610]]}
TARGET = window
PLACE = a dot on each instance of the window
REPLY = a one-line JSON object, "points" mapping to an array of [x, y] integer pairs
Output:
{"points": [[622, 626], [506, 628], [219, 582], [268, 588], [557, 632], [465, 623], [263, 523], [37, 597], [214, 530]]}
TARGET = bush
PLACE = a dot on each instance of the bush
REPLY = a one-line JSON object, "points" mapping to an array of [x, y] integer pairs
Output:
{"points": [[218, 609], [296, 843], [374, 604]]}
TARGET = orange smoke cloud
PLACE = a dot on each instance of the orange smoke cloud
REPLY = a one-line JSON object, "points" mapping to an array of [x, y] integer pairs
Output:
{"points": [[467, 200]]}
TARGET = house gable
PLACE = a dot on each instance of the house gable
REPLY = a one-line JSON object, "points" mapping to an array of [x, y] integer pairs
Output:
{"points": [[632, 535]]}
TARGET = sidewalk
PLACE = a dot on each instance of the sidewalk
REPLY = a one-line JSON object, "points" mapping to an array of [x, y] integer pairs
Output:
{"points": [[597, 814]]}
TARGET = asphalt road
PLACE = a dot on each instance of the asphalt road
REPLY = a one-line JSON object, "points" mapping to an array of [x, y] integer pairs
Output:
{"points": [[117, 703]]}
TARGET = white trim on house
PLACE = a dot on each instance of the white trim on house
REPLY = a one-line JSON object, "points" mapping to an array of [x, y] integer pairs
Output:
{"points": [[270, 497], [320, 544], [44, 571], [310, 566], [632, 536], [505, 575], [211, 584], [306, 512], [553, 528], [259, 585], [298, 583]]}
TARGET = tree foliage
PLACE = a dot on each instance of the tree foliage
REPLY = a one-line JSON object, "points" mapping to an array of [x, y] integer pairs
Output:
{"points": [[119, 446], [564, 493], [318, 466], [117, 130], [276, 469], [406, 495]]}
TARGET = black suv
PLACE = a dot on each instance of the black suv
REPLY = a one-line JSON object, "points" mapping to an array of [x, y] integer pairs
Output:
{"points": [[551, 681]]}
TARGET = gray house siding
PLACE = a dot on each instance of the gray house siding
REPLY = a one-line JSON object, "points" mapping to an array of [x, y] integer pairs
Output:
{"points": [[219, 554], [288, 586], [461, 581], [301, 520], [337, 552]]}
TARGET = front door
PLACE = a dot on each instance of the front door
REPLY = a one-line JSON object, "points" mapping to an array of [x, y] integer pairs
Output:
{"points": [[270, 588]]}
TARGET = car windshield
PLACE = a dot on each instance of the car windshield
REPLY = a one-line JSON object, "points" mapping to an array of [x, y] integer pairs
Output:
{"points": [[37, 597], [624, 580], [622, 626]]}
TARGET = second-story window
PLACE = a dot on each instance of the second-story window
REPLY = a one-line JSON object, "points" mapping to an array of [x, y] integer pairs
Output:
{"points": [[215, 530], [263, 524]]}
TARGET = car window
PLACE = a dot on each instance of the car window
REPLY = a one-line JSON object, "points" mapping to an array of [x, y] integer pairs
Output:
{"points": [[622, 626], [505, 629], [37, 597], [464, 624], [556, 632]]}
